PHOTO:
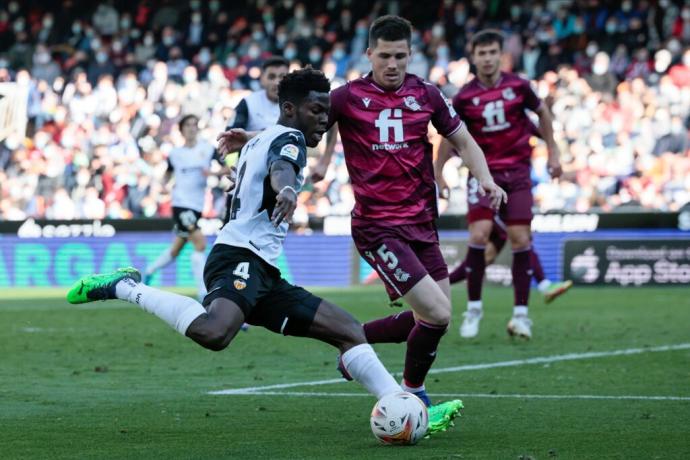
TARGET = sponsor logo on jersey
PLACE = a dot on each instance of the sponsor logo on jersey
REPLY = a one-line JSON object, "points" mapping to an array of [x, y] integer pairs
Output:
{"points": [[401, 275], [508, 94], [412, 104], [239, 284], [366, 101], [451, 110], [290, 150], [475, 100]]}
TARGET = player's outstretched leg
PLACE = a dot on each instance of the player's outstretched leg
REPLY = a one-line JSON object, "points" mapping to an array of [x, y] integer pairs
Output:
{"points": [[555, 290]]}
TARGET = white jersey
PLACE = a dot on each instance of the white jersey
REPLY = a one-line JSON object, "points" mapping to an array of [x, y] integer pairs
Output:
{"points": [[262, 111], [254, 199], [188, 164]]}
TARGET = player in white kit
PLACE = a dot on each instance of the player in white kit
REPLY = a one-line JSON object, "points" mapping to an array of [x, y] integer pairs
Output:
{"points": [[241, 273], [190, 165]]}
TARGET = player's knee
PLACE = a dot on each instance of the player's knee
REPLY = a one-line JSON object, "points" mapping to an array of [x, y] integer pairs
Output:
{"points": [[175, 252], [479, 238], [438, 313]]}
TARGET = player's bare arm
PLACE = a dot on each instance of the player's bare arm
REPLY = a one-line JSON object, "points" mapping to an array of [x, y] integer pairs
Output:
{"points": [[473, 157], [444, 154], [546, 130], [321, 167], [283, 179]]}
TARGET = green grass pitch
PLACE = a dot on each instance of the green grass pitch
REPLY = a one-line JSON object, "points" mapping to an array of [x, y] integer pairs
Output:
{"points": [[106, 380]]}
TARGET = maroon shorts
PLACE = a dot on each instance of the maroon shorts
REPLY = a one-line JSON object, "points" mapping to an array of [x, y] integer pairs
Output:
{"points": [[518, 185], [402, 255]]}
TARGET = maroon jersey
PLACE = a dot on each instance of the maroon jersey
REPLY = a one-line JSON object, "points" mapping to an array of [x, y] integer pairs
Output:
{"points": [[387, 152], [497, 120]]}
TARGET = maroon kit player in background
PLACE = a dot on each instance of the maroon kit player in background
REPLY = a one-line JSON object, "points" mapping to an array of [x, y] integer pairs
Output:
{"points": [[493, 106], [383, 121]]}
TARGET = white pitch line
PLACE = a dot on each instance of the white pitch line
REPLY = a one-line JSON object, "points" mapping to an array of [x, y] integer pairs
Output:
{"points": [[483, 395], [474, 367]]}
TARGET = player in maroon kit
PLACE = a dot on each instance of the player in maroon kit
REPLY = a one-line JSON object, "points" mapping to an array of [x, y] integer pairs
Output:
{"points": [[383, 121], [493, 106]]}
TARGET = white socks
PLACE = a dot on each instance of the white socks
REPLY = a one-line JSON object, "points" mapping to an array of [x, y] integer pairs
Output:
{"points": [[544, 285], [177, 310], [365, 367], [410, 389], [520, 310], [164, 259], [198, 261], [474, 305]]}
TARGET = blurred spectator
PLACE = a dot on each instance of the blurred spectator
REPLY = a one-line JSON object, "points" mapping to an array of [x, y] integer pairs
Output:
{"points": [[106, 85]]}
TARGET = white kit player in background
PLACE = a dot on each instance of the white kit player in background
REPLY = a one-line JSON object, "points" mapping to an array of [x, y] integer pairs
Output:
{"points": [[190, 164]]}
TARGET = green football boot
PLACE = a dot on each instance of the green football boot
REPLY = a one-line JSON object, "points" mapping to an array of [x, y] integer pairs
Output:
{"points": [[100, 287], [441, 415], [556, 290]]}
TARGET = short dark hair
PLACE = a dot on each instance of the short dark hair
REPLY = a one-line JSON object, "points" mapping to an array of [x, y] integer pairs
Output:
{"points": [[274, 61], [184, 119], [296, 85], [486, 37], [390, 28]]}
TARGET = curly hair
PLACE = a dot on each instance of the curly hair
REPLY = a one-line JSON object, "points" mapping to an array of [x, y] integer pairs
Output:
{"points": [[296, 85]]}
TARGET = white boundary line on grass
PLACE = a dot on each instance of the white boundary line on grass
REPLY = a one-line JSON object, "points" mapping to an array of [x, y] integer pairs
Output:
{"points": [[482, 395], [470, 367]]}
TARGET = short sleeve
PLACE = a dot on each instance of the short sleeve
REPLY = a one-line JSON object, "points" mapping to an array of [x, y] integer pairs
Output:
{"points": [[444, 118], [171, 166], [290, 147], [532, 101], [338, 101]]}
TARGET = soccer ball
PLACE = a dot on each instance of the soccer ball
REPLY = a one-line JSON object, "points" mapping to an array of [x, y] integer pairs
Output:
{"points": [[399, 418]]}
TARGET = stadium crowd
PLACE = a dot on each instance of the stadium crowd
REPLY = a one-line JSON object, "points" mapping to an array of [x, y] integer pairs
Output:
{"points": [[105, 84]]}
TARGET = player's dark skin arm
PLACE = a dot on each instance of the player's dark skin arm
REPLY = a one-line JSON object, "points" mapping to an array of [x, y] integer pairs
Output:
{"points": [[283, 179]]}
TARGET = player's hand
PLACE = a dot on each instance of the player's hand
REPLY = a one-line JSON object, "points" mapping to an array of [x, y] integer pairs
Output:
{"points": [[232, 177], [497, 195], [318, 172], [553, 165], [443, 189], [286, 202], [231, 140]]}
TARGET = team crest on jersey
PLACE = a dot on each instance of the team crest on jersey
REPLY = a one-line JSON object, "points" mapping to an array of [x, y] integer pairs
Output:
{"points": [[412, 104], [508, 94], [290, 150], [401, 275], [366, 101], [239, 284], [475, 100]]}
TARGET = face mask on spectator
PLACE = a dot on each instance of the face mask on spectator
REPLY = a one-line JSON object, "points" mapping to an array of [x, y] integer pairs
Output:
{"points": [[686, 59], [117, 46], [257, 35], [442, 52], [599, 68], [290, 53], [196, 18], [4, 63], [437, 31], [338, 54], [611, 27], [460, 17], [48, 22], [148, 40], [515, 12], [663, 3], [43, 58], [231, 62], [253, 52], [95, 44], [299, 13], [168, 40], [214, 5], [13, 7], [194, 4], [626, 6], [76, 28], [18, 25], [204, 56], [135, 33], [591, 49], [101, 57], [125, 23], [673, 46], [685, 14], [281, 39], [314, 56]]}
